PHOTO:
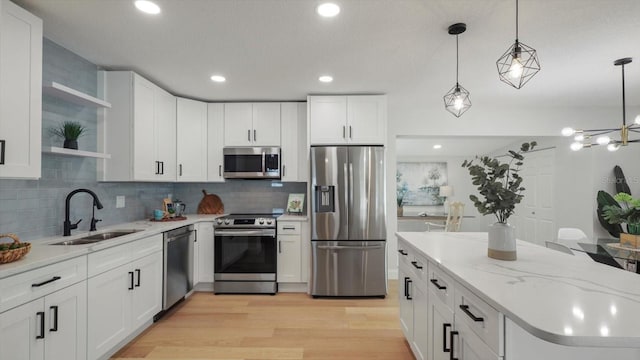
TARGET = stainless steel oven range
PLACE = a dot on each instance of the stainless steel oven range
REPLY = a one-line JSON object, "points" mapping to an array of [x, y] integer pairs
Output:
{"points": [[245, 254]]}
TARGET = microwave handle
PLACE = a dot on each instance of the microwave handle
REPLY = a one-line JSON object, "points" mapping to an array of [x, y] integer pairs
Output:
{"points": [[264, 159]]}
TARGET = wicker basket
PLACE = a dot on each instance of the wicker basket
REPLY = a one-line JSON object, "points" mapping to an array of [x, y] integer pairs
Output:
{"points": [[7, 256]]}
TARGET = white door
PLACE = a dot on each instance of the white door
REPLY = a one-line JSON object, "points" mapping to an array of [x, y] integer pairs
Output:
{"points": [[23, 332], [196, 258], [20, 92], [191, 140], [266, 124], [165, 128], [147, 293], [440, 325], [205, 255], [406, 305], [109, 310], [289, 151], [215, 142], [420, 321], [327, 119], [66, 314], [238, 124], [469, 346], [366, 119], [289, 258], [535, 215], [144, 130]]}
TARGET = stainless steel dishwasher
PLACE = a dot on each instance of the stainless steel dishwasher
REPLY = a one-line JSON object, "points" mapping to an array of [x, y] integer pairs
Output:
{"points": [[178, 265]]}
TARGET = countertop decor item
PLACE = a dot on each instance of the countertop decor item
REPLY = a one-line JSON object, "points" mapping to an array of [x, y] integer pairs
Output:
{"points": [[70, 131], [456, 100], [210, 204], [10, 252], [175, 218], [501, 186], [584, 138], [626, 213], [295, 203]]}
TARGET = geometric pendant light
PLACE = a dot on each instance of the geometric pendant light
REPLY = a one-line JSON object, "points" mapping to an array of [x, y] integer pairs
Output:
{"points": [[519, 63], [456, 100]]}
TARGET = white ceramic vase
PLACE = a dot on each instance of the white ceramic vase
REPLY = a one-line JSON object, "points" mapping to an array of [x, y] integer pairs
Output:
{"points": [[502, 241]]}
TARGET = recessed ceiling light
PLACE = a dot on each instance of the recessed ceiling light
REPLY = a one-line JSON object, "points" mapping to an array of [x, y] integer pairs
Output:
{"points": [[328, 9], [147, 6], [437, 146], [218, 78], [325, 78]]}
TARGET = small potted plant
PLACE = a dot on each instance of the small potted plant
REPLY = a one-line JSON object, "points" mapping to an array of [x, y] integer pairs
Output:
{"points": [[401, 191], [628, 213], [500, 185], [70, 131]]}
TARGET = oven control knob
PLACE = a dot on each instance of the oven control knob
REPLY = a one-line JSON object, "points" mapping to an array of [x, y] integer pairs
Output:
{"points": [[260, 221], [269, 221], [227, 221], [219, 221]]}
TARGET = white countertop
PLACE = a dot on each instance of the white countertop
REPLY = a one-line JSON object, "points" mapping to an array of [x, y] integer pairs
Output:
{"points": [[42, 253], [557, 297], [289, 217]]}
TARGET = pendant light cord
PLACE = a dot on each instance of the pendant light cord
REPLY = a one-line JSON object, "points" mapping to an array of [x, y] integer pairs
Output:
{"points": [[516, 20], [458, 60]]}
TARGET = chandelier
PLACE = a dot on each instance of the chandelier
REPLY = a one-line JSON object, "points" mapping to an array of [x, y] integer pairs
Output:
{"points": [[456, 100], [584, 138]]}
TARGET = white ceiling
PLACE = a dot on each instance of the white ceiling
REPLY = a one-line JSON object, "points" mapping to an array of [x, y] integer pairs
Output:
{"points": [[452, 146], [276, 49]]}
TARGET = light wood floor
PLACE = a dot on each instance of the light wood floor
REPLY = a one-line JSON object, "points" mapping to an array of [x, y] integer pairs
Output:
{"points": [[284, 326]]}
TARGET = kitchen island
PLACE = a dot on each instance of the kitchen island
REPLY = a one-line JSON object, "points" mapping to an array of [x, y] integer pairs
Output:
{"points": [[546, 304]]}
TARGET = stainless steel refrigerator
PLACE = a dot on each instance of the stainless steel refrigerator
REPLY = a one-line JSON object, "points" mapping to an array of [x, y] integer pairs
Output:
{"points": [[348, 221]]}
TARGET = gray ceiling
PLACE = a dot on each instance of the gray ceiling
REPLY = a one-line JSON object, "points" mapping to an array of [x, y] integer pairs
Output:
{"points": [[276, 49]]}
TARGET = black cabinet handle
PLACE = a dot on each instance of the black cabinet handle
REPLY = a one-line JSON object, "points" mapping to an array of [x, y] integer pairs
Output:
{"points": [[138, 281], [180, 166], [2, 148], [406, 288], [41, 315], [130, 280], [55, 318], [195, 236], [161, 167], [157, 167], [403, 252], [445, 326], [288, 228], [254, 135], [451, 336], [409, 282], [415, 264], [219, 170], [55, 278], [283, 172], [344, 132], [465, 308], [435, 282], [350, 133], [249, 135], [279, 247]]}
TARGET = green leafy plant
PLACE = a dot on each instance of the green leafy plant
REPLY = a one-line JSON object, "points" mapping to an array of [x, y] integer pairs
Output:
{"points": [[498, 183], [69, 130], [605, 199], [401, 188], [628, 213]]}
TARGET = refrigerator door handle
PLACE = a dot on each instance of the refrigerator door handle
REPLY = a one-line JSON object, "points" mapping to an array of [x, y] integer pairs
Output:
{"points": [[351, 247], [350, 186]]}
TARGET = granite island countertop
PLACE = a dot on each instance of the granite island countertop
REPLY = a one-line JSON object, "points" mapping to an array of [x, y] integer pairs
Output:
{"points": [[560, 298]]}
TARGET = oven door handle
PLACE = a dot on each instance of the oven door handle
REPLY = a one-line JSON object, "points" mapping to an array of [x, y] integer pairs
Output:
{"points": [[373, 247], [245, 233]]}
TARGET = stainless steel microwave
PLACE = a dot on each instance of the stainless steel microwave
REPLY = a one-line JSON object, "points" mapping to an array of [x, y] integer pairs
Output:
{"points": [[251, 162]]}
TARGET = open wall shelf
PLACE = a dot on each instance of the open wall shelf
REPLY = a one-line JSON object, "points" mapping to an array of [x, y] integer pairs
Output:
{"points": [[71, 152], [74, 96]]}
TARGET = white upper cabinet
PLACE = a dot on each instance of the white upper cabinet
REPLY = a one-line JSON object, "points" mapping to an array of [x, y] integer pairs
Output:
{"points": [[358, 119], [294, 154], [192, 140], [252, 124], [20, 92], [139, 130], [215, 142]]}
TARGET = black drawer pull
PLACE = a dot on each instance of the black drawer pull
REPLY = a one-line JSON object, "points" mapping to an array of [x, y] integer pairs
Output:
{"points": [[41, 315], [403, 252], [2, 149], [406, 289], [409, 282], [55, 278], [138, 281], [435, 282], [288, 228], [444, 337], [415, 264], [451, 336], [55, 318], [465, 308], [130, 280]]}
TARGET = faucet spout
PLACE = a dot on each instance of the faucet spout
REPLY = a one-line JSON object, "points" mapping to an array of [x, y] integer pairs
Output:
{"points": [[68, 226]]}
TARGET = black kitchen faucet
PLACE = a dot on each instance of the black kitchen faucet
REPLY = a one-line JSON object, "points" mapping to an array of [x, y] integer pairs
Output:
{"points": [[68, 226]]}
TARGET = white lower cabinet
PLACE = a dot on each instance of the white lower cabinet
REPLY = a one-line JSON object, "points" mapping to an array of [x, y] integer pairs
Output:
{"points": [[440, 327], [49, 328], [466, 345], [204, 253], [289, 258], [123, 299], [414, 304], [420, 342]]}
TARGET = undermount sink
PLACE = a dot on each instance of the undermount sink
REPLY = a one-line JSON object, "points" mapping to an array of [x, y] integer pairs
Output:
{"points": [[96, 237]]}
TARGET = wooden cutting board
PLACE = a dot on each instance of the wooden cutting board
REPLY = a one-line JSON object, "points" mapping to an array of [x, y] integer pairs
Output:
{"points": [[210, 204]]}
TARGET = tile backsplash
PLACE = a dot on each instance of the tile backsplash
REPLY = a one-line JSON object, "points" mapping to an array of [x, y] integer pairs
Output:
{"points": [[35, 208]]}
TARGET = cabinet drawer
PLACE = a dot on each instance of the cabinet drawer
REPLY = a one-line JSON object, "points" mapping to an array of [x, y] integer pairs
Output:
{"points": [[419, 265], [288, 228], [441, 285], [470, 346], [21, 288], [146, 246], [480, 317], [108, 259]]}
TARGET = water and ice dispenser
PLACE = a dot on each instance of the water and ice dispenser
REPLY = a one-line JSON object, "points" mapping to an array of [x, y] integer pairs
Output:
{"points": [[325, 198]]}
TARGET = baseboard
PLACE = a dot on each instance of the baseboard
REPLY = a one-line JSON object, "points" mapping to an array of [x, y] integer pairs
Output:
{"points": [[127, 340], [292, 287], [393, 274], [204, 287]]}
